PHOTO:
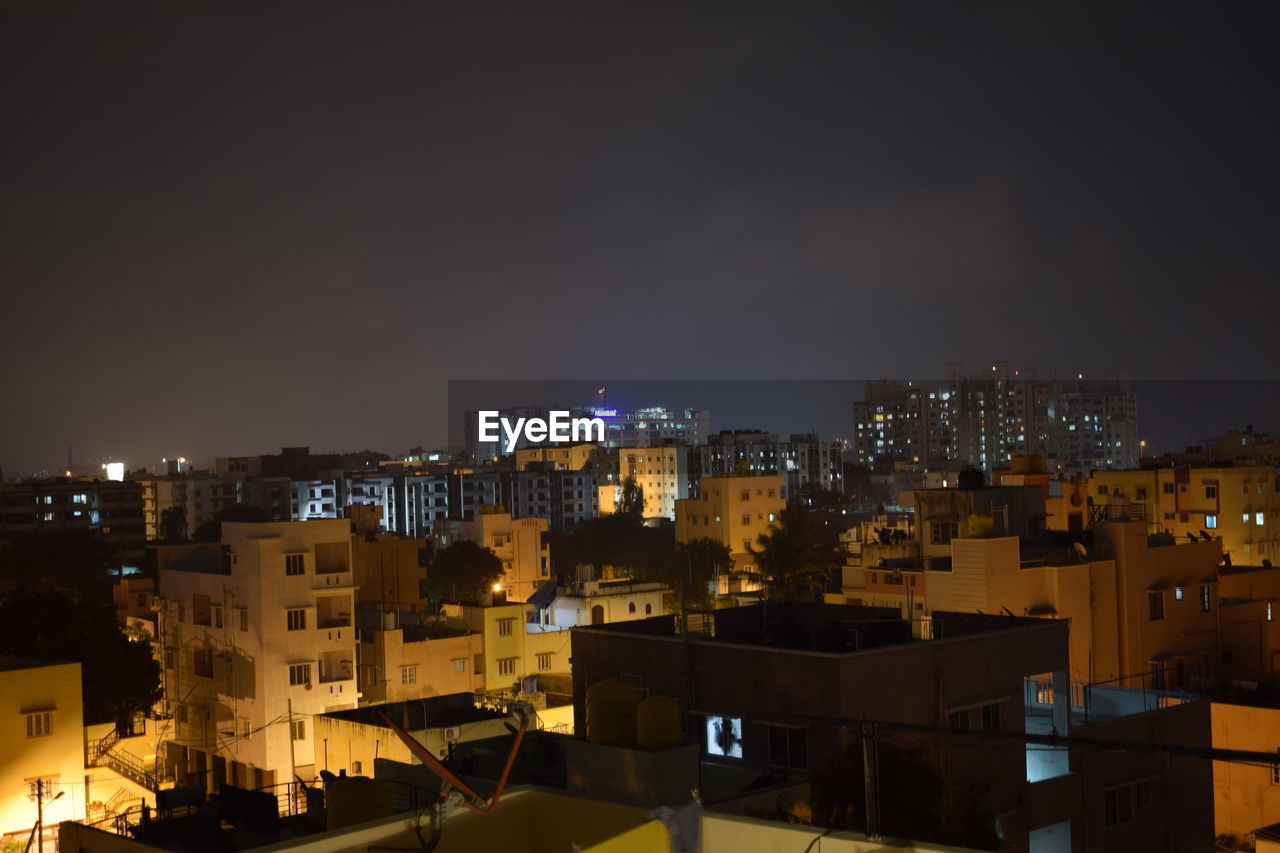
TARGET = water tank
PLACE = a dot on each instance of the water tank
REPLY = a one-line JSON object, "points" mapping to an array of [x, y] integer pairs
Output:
{"points": [[611, 712], [658, 723], [981, 526]]}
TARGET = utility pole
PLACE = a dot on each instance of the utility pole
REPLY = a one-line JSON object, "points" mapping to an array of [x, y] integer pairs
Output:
{"points": [[871, 780], [40, 813]]}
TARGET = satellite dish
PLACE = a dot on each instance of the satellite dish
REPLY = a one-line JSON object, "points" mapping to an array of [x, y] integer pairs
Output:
{"points": [[1080, 550]]}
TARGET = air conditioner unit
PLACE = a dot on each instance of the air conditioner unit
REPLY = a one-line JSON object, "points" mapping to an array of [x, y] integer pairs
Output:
{"points": [[453, 732]]}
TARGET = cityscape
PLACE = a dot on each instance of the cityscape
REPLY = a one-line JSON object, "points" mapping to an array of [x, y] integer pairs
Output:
{"points": [[640, 428]]}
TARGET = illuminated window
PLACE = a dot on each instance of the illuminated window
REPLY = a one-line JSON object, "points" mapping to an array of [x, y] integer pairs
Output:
{"points": [[1259, 518], [724, 736], [1205, 599], [1177, 593], [1211, 522]]}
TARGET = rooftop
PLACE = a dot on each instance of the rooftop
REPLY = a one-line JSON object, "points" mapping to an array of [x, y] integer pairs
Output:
{"points": [[814, 627], [417, 714]]}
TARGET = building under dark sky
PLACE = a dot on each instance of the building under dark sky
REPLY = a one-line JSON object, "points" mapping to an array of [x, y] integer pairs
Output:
{"points": [[228, 229]]}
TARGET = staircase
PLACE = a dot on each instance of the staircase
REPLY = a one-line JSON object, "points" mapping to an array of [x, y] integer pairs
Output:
{"points": [[101, 754]]}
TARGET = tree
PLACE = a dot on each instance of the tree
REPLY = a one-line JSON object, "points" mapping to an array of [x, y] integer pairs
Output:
{"points": [[173, 524], [77, 560], [617, 539], [120, 675], [793, 556], [211, 531], [464, 571], [632, 500], [911, 798], [692, 568]]}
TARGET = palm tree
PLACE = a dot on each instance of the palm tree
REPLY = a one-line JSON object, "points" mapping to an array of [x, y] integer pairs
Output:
{"points": [[792, 555]]}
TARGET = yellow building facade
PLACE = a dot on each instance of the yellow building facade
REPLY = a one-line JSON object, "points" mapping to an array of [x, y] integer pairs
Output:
{"points": [[42, 740], [734, 510]]}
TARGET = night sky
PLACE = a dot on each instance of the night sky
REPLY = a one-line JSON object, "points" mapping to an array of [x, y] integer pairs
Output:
{"points": [[233, 227]]}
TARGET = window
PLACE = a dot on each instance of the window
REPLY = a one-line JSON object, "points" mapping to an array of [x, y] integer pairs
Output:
{"points": [[1155, 605], [1275, 771], [409, 674], [648, 609], [1211, 491], [1206, 601], [1166, 488], [505, 627], [506, 666], [296, 620], [942, 532], [459, 664], [746, 519], [300, 673], [991, 717], [40, 724], [724, 736], [1120, 804], [294, 565], [170, 659], [298, 728], [1259, 518], [788, 747], [244, 619], [1211, 522], [544, 660], [631, 607], [746, 494], [217, 615], [1102, 489], [200, 610], [202, 663], [958, 720], [1177, 593]]}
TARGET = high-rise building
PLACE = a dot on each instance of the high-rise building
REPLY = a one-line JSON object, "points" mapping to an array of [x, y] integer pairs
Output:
{"points": [[984, 420]]}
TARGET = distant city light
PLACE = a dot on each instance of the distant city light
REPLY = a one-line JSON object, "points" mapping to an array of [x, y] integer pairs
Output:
{"points": [[115, 471]]}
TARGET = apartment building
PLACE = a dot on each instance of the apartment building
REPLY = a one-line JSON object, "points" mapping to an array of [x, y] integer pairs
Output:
{"points": [[776, 689], [42, 744], [1143, 610], [112, 509], [256, 636], [662, 472], [520, 543], [1238, 505], [514, 648], [734, 510]]}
